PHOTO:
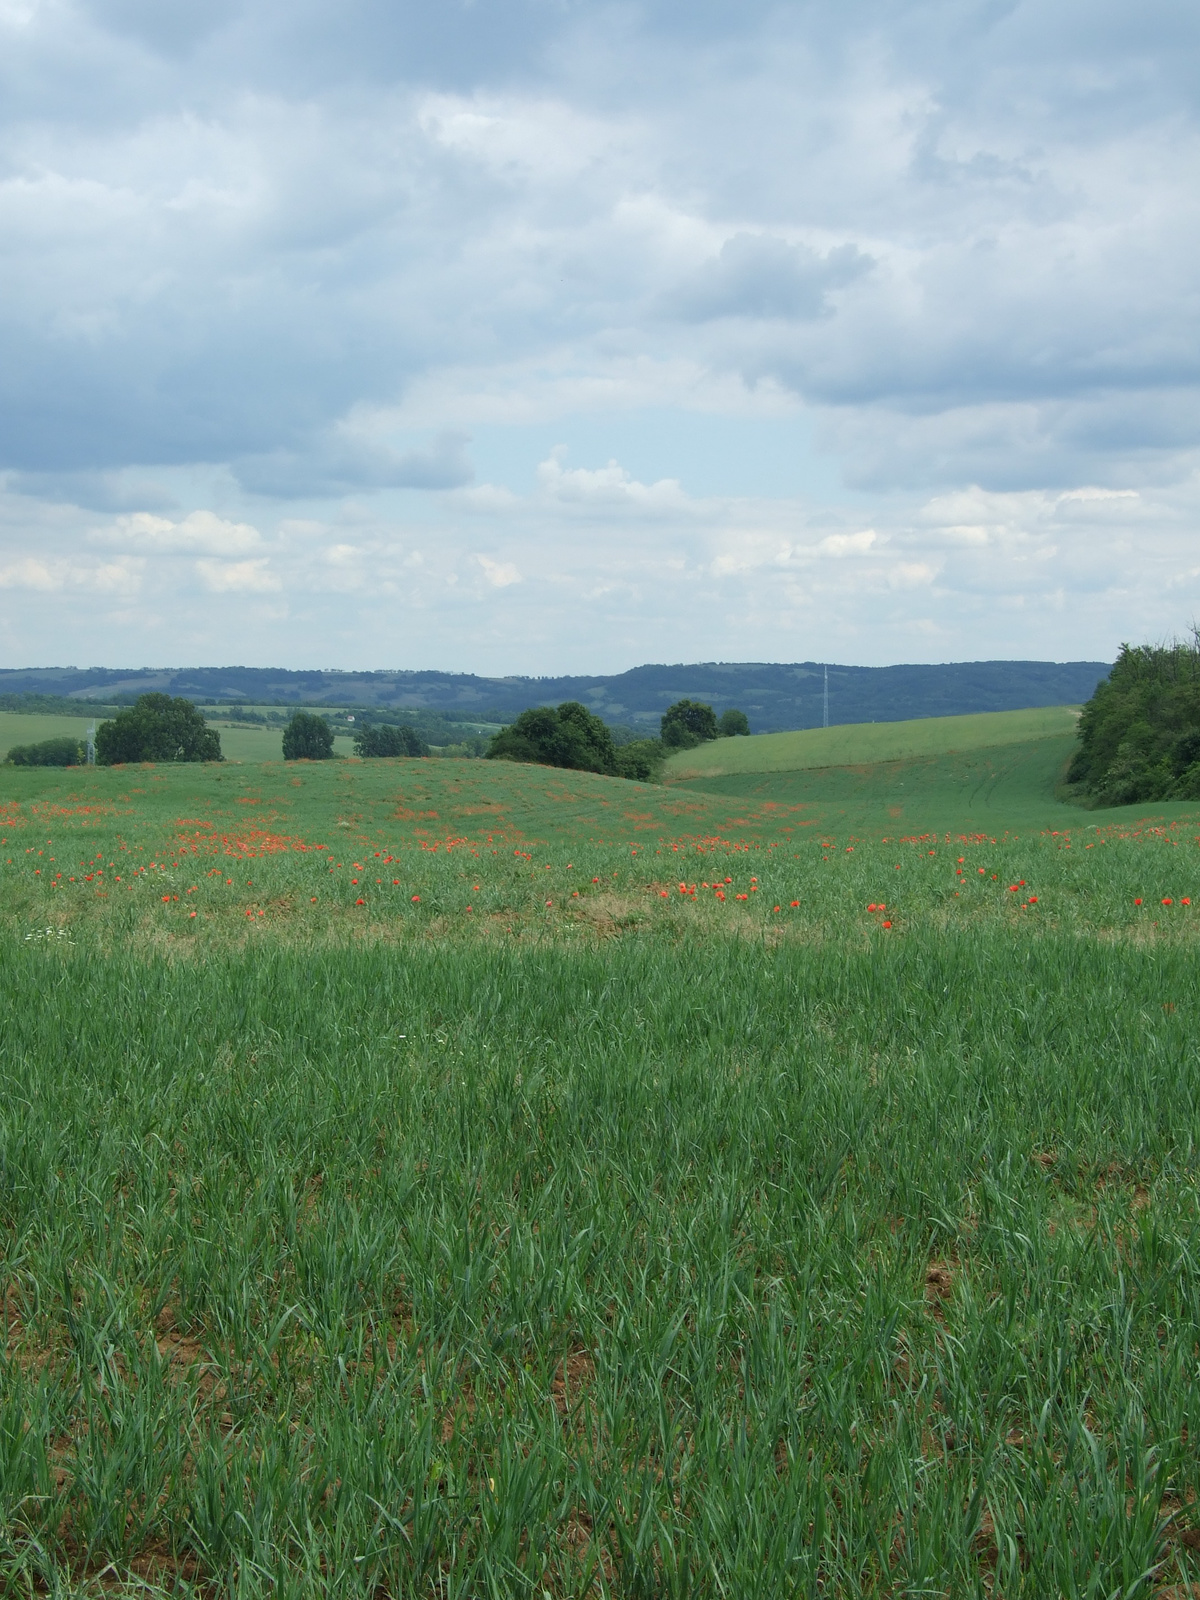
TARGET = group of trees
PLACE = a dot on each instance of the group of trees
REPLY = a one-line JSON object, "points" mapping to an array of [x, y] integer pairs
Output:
{"points": [[571, 736], [66, 752], [388, 739], [159, 728], [689, 722], [309, 737], [567, 736], [1139, 734]]}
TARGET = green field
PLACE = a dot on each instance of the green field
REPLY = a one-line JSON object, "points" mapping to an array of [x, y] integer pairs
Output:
{"points": [[1011, 786], [19, 728], [439, 1178], [237, 744], [868, 742]]}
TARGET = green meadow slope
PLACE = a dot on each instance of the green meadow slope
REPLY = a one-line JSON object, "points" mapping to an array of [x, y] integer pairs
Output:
{"points": [[998, 770], [859, 743]]}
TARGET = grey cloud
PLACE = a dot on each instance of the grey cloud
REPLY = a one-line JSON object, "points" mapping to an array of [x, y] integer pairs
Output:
{"points": [[93, 491], [337, 465], [761, 276], [1116, 440], [165, 25]]}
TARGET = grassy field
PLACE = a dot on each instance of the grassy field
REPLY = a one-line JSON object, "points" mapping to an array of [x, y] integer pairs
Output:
{"points": [[1008, 786], [252, 745], [19, 728], [864, 743], [454, 1179]]}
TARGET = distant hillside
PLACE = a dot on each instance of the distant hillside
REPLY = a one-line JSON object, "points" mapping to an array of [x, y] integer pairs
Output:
{"points": [[775, 697]]}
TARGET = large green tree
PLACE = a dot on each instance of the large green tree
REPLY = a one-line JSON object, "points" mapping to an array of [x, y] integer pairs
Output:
{"points": [[733, 725], [566, 736], [307, 737], [688, 723], [386, 739], [157, 728], [1139, 734]]}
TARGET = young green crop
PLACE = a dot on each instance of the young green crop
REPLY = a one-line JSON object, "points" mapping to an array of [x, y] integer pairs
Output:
{"points": [[589, 1241]]}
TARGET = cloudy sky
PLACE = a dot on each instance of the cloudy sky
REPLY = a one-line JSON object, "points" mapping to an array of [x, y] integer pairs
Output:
{"points": [[553, 335]]}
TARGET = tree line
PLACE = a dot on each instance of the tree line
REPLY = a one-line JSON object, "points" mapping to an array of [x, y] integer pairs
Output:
{"points": [[1139, 734], [161, 728], [571, 736]]}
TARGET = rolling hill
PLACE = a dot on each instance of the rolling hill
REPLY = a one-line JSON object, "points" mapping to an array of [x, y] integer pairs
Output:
{"points": [[867, 743], [773, 695]]}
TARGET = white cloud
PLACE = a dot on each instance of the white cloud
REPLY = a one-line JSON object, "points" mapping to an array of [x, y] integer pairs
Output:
{"points": [[238, 577], [30, 573], [42, 576], [610, 488], [200, 531], [499, 573], [848, 544]]}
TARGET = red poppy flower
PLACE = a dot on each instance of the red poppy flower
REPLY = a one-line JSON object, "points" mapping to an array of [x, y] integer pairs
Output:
{"points": [[795, 903], [416, 899], [720, 894], [1138, 901], [1166, 900], [360, 902], [888, 924]]}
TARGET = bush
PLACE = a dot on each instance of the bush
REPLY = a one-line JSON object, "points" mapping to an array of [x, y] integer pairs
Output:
{"points": [[688, 723], [733, 725], [307, 737], [157, 728], [50, 753], [1139, 734], [385, 739], [640, 760], [567, 737]]}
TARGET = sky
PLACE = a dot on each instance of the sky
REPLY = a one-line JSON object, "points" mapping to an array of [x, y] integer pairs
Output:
{"points": [[552, 336]]}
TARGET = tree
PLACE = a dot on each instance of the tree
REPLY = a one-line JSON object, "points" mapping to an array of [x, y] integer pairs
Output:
{"points": [[640, 760], [570, 736], [1139, 734], [385, 739], [688, 723], [49, 753], [307, 737], [733, 725], [157, 728]]}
